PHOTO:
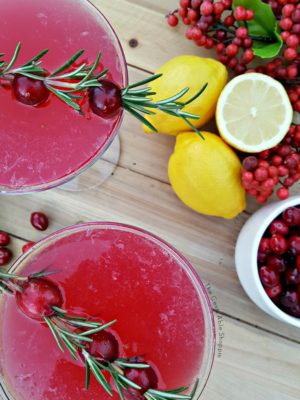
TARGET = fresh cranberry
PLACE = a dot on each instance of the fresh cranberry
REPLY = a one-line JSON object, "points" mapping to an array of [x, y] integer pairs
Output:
{"points": [[106, 100], [292, 276], [278, 244], [39, 221], [276, 262], [4, 238], [264, 246], [291, 216], [268, 276], [298, 262], [5, 255], [278, 226], [294, 310], [146, 378], [37, 297], [104, 346], [289, 298], [294, 244], [27, 246], [274, 291], [29, 91]]}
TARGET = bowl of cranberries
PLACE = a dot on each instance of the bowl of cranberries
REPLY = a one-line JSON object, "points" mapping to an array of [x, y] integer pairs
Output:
{"points": [[267, 259]]}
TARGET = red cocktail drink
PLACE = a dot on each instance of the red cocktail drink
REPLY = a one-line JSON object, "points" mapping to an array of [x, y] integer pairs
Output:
{"points": [[46, 145], [110, 271]]}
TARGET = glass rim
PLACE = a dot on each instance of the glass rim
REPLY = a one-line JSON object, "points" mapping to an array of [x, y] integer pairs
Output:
{"points": [[5, 190], [210, 330]]}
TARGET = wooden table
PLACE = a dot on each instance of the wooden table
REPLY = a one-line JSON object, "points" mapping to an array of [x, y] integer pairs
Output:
{"points": [[258, 358]]}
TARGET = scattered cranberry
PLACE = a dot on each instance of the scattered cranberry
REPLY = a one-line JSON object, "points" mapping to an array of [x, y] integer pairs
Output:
{"points": [[146, 378], [5, 255], [29, 91], [27, 246], [4, 238], [39, 221], [105, 100], [37, 297], [104, 346], [172, 20]]}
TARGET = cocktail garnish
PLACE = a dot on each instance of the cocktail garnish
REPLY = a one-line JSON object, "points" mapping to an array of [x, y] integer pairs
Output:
{"points": [[71, 82], [79, 335]]}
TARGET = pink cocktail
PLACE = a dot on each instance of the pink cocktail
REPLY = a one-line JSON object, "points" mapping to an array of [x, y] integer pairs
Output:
{"points": [[110, 271], [47, 145]]}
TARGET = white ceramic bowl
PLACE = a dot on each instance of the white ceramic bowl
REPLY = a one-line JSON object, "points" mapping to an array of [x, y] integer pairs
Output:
{"points": [[246, 257]]}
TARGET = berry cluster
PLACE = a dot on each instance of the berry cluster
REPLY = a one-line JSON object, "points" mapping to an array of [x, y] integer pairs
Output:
{"points": [[279, 261], [279, 165], [214, 24]]}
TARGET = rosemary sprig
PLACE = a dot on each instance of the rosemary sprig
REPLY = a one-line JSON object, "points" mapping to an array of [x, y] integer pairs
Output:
{"points": [[69, 84], [139, 101], [62, 82]]}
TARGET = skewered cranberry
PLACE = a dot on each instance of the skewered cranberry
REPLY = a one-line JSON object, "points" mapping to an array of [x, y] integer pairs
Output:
{"points": [[278, 226], [104, 346], [4, 238], [5, 255], [29, 91], [39, 221], [294, 244], [37, 297], [146, 378], [278, 244], [291, 216], [269, 276], [106, 100]]}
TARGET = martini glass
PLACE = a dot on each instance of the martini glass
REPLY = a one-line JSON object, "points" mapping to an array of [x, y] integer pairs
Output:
{"points": [[49, 145], [109, 271]]}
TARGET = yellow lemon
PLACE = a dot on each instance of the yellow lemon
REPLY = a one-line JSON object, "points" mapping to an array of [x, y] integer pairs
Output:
{"points": [[206, 175], [192, 72], [254, 112]]}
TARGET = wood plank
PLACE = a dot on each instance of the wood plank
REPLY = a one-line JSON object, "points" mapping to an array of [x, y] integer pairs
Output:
{"points": [[254, 365], [146, 23], [135, 199]]}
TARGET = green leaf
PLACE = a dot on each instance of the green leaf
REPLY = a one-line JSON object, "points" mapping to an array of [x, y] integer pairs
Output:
{"points": [[264, 27]]}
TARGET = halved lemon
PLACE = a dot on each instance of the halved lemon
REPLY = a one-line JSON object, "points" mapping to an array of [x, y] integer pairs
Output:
{"points": [[253, 112]]}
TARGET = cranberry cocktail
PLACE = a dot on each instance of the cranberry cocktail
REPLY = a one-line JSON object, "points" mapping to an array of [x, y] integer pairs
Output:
{"points": [[155, 307]]}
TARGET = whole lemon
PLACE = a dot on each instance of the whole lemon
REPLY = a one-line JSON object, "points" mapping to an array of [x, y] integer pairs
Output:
{"points": [[206, 175], [192, 72]]}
